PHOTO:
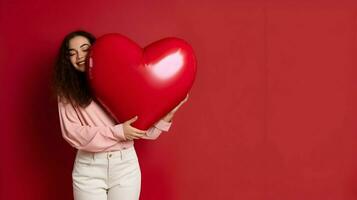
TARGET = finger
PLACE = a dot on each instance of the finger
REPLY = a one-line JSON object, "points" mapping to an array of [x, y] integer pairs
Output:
{"points": [[175, 109], [136, 135], [140, 135], [133, 119], [138, 130], [183, 101], [178, 106], [131, 137]]}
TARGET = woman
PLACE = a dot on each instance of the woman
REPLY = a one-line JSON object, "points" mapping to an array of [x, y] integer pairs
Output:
{"points": [[106, 164]]}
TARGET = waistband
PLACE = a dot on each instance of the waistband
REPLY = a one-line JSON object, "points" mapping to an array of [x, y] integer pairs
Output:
{"points": [[109, 154]]}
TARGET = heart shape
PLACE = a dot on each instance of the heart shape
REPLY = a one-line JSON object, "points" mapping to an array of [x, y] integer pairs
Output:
{"points": [[148, 82]]}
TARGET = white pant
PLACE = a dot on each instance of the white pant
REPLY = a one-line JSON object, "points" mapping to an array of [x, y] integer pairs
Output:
{"points": [[112, 175]]}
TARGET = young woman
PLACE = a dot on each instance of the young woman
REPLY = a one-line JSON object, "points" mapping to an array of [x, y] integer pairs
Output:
{"points": [[106, 164]]}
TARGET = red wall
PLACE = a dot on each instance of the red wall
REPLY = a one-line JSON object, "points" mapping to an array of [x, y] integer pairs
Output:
{"points": [[271, 115]]}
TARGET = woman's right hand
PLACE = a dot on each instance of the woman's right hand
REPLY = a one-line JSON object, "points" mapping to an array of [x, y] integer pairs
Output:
{"points": [[130, 132]]}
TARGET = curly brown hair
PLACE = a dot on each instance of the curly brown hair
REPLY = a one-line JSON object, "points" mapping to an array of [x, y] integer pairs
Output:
{"points": [[67, 82]]}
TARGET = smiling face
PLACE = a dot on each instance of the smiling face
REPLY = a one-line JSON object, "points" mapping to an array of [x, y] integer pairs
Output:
{"points": [[78, 50]]}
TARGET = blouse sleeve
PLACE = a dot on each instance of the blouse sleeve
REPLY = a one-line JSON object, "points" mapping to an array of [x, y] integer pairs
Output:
{"points": [[86, 137], [155, 131]]}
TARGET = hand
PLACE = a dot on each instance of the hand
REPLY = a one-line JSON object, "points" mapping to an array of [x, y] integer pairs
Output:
{"points": [[170, 115], [130, 132]]}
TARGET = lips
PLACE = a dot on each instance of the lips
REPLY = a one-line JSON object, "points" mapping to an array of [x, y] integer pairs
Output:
{"points": [[80, 63]]}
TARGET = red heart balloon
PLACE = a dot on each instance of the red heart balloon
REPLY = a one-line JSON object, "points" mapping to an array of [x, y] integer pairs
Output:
{"points": [[148, 82]]}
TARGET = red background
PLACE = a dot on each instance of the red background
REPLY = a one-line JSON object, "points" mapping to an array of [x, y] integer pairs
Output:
{"points": [[271, 115]]}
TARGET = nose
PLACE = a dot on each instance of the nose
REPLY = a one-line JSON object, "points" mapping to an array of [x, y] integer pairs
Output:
{"points": [[80, 55]]}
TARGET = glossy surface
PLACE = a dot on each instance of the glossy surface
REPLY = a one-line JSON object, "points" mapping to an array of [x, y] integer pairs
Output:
{"points": [[148, 82]]}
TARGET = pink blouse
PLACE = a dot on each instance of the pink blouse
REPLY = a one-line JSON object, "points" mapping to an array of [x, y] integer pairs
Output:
{"points": [[93, 129]]}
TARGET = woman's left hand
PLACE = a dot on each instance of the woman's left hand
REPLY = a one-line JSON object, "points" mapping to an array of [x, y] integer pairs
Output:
{"points": [[170, 115]]}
